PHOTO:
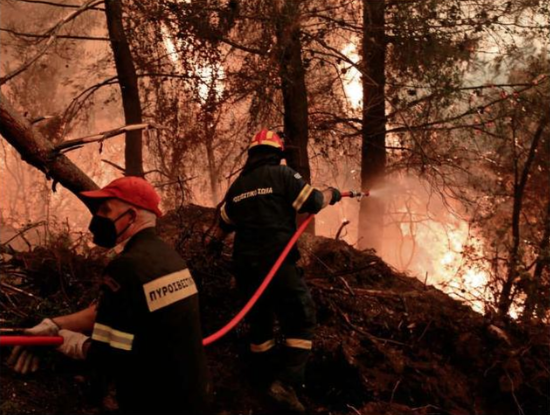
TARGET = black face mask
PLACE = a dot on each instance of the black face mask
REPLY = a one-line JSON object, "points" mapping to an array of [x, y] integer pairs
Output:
{"points": [[104, 230]]}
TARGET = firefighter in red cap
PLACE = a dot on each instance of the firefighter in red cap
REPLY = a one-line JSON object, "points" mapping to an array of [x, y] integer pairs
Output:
{"points": [[145, 328], [261, 207]]}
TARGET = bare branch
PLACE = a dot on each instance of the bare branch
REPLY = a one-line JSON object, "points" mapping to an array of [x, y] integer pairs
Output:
{"points": [[116, 166], [68, 6], [469, 112], [34, 35], [78, 142], [24, 230], [78, 102], [52, 35]]}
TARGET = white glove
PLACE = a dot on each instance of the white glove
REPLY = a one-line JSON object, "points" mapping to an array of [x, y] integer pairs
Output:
{"points": [[46, 327], [23, 359], [73, 344]]}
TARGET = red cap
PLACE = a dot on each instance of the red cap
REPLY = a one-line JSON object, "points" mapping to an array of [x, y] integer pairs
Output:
{"points": [[130, 189]]}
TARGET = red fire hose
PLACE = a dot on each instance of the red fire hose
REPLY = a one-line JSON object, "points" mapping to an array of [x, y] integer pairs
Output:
{"points": [[31, 340], [58, 340], [235, 320]]}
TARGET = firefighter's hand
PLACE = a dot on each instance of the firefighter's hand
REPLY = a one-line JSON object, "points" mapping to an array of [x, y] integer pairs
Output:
{"points": [[75, 345], [23, 358], [336, 196]]}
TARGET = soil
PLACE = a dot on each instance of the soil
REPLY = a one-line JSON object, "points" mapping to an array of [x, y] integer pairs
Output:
{"points": [[385, 344]]}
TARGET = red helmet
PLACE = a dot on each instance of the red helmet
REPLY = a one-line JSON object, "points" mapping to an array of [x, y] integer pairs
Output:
{"points": [[130, 189], [267, 138]]}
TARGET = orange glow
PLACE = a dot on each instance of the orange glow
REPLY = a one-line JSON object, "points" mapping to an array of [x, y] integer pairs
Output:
{"points": [[451, 273]]}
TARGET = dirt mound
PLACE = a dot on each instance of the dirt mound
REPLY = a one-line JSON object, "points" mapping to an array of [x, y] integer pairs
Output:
{"points": [[396, 341], [386, 343]]}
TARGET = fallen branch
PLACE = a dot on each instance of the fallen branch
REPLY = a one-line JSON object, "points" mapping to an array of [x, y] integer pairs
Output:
{"points": [[360, 330], [363, 291], [395, 389], [18, 290], [380, 293], [78, 142], [341, 228], [13, 307], [347, 285], [353, 408]]}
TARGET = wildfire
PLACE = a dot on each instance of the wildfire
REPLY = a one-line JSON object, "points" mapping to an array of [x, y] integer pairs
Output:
{"points": [[352, 77], [452, 272]]}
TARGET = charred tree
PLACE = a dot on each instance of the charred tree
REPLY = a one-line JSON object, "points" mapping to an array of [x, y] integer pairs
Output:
{"points": [[293, 86], [520, 182], [36, 150], [128, 82], [373, 149]]}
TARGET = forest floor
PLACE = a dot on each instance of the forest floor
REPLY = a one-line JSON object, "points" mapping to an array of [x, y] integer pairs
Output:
{"points": [[386, 343]]}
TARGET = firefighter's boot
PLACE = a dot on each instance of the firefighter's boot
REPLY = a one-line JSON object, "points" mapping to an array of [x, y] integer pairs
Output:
{"points": [[285, 396]]}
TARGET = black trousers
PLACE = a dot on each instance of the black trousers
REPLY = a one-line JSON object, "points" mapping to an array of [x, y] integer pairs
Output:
{"points": [[289, 300]]}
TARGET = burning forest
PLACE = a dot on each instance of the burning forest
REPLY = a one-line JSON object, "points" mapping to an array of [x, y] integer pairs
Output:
{"points": [[265, 207]]}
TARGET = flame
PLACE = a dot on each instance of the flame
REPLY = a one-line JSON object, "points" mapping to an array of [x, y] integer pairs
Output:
{"points": [[352, 77], [448, 246]]}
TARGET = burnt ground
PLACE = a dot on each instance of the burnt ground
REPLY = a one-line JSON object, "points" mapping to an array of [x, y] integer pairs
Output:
{"points": [[386, 343]]}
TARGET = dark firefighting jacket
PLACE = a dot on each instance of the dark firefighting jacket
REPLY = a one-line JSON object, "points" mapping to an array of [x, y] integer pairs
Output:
{"points": [[147, 335], [261, 206]]}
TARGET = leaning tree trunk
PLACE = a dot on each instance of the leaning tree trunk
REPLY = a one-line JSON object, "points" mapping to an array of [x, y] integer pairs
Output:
{"points": [[39, 152], [293, 86], [373, 150], [128, 82]]}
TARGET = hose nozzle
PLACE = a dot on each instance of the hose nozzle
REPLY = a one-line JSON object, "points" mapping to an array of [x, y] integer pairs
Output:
{"points": [[356, 194]]}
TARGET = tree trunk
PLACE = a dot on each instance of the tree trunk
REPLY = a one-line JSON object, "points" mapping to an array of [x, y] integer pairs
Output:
{"points": [[373, 149], [543, 262], [293, 86], [128, 82], [505, 299], [211, 158], [38, 151]]}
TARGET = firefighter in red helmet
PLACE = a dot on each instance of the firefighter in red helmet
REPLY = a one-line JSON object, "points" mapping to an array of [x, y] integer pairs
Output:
{"points": [[261, 207]]}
